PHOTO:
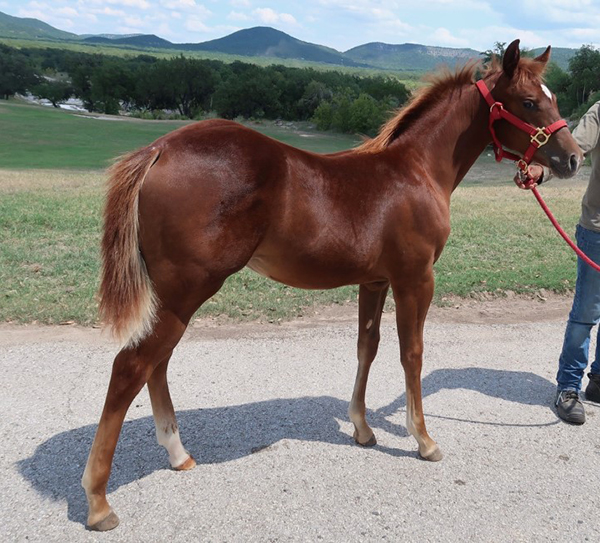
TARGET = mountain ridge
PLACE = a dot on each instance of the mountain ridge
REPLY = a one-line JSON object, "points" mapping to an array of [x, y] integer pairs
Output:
{"points": [[268, 42]]}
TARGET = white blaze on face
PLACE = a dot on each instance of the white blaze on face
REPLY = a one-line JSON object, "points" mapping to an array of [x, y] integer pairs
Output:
{"points": [[547, 91]]}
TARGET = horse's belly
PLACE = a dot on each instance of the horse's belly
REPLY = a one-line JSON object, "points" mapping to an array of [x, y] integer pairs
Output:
{"points": [[308, 275]]}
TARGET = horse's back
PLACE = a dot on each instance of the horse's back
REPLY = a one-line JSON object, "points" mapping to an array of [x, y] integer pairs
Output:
{"points": [[228, 196]]}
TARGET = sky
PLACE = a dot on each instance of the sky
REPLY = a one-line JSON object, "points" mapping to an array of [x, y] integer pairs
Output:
{"points": [[341, 24]]}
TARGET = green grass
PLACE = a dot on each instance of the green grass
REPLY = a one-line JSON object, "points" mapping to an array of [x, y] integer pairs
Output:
{"points": [[50, 229], [501, 240], [40, 137], [49, 232]]}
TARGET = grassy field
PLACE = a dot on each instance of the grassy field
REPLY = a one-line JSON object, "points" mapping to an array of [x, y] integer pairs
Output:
{"points": [[50, 228], [39, 137], [51, 192]]}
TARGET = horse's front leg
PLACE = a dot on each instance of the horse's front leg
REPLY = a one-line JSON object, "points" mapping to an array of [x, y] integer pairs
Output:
{"points": [[412, 304], [371, 299]]}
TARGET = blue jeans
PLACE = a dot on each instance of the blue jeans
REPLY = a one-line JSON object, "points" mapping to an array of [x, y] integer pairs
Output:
{"points": [[585, 313]]}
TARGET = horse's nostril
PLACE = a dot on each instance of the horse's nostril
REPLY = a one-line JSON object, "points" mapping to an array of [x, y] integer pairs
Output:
{"points": [[573, 162]]}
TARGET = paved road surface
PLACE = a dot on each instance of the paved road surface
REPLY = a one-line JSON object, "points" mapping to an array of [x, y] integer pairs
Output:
{"points": [[264, 414]]}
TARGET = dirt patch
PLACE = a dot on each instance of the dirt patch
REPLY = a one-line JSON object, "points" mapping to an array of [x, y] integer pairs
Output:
{"points": [[513, 309]]}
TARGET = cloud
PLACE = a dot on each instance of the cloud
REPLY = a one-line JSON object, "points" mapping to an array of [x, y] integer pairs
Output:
{"points": [[238, 16], [270, 16], [108, 11], [179, 4], [240, 3], [134, 21], [442, 36], [66, 11], [140, 4], [196, 24]]}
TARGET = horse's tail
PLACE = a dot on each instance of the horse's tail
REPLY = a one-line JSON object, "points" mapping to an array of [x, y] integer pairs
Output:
{"points": [[127, 299]]}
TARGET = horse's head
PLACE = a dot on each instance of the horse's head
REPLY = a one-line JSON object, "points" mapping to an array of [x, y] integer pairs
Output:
{"points": [[521, 90]]}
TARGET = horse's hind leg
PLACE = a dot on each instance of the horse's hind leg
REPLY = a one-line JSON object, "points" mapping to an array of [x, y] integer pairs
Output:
{"points": [[167, 430], [371, 299], [412, 303], [131, 370]]}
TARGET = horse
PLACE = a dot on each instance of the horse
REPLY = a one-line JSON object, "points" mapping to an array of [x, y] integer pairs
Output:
{"points": [[208, 199]]}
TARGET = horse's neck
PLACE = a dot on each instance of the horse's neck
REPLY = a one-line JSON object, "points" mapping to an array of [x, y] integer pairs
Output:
{"points": [[451, 136]]}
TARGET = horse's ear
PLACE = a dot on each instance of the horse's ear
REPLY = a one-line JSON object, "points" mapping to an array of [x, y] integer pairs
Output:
{"points": [[511, 59], [544, 57]]}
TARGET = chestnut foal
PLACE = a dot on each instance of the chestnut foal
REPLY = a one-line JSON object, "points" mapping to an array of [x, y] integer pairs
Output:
{"points": [[206, 200]]}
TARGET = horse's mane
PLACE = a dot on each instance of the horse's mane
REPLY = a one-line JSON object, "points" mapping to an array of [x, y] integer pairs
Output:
{"points": [[438, 84]]}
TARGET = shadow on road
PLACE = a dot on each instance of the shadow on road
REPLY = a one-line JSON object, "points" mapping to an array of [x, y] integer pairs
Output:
{"points": [[223, 434]]}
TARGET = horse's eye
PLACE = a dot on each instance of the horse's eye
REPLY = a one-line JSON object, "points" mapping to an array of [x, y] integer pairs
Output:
{"points": [[528, 104]]}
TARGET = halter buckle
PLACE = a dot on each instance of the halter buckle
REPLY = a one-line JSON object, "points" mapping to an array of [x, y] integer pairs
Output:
{"points": [[540, 137]]}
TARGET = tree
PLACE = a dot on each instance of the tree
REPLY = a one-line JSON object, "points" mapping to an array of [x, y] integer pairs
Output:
{"points": [[365, 115], [250, 91], [54, 91], [497, 51], [323, 116], [110, 85], [559, 82], [315, 93], [500, 48], [585, 73], [17, 74], [180, 83]]}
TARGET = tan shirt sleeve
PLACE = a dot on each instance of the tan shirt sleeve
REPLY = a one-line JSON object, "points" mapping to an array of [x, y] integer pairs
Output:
{"points": [[588, 130], [586, 135]]}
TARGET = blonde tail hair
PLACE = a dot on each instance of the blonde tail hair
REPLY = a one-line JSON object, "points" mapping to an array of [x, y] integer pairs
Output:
{"points": [[128, 302]]}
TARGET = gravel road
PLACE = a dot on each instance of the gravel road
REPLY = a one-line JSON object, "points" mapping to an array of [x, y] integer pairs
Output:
{"points": [[263, 410]]}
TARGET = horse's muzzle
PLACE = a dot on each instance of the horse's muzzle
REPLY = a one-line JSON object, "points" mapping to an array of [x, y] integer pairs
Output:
{"points": [[566, 167]]}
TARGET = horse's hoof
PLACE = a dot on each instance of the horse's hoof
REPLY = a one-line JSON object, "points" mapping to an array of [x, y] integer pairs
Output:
{"points": [[108, 523], [371, 442], [190, 463], [434, 456]]}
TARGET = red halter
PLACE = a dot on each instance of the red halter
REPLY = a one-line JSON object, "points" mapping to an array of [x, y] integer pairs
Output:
{"points": [[539, 136]]}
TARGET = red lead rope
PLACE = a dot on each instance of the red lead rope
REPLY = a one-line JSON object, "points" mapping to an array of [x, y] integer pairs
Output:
{"points": [[560, 230]]}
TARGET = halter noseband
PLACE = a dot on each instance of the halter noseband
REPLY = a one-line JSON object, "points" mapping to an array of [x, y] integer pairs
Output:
{"points": [[539, 136]]}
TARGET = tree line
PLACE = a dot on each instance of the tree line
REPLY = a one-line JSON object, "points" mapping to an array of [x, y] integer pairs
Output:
{"points": [[184, 87], [192, 88]]}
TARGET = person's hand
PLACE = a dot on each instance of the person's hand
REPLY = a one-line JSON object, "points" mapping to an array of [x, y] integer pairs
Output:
{"points": [[532, 178]]}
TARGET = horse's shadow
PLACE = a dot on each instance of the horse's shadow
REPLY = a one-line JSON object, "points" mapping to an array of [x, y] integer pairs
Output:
{"points": [[222, 434]]}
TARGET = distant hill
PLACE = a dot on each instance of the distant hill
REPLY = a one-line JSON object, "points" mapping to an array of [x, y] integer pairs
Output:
{"points": [[139, 40], [264, 41], [18, 27], [559, 55], [268, 42], [409, 56], [109, 36]]}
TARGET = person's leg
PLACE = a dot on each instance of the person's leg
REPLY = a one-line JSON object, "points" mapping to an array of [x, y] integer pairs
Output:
{"points": [[585, 313], [592, 391]]}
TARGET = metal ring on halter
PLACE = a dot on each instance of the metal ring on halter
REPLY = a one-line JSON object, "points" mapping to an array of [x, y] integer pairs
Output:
{"points": [[541, 137]]}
